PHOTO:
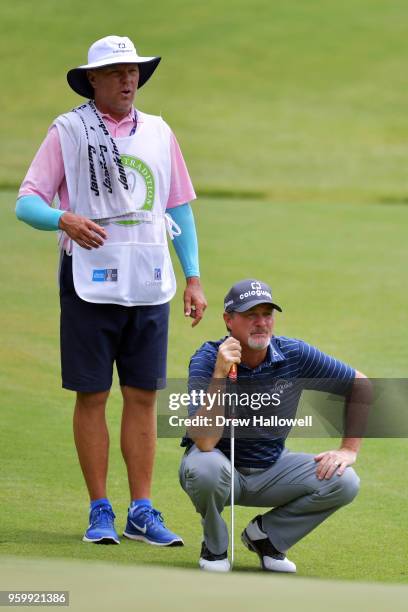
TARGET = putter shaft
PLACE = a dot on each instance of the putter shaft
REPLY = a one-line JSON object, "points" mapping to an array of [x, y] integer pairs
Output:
{"points": [[233, 379]]}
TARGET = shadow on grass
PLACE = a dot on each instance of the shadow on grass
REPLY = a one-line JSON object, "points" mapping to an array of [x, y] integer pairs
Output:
{"points": [[393, 199], [62, 545], [37, 537]]}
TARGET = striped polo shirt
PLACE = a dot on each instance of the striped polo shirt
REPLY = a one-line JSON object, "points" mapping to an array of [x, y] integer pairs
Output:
{"points": [[286, 358]]}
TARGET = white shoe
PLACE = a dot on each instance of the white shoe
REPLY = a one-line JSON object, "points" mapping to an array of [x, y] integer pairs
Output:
{"points": [[256, 540], [219, 565], [278, 565], [210, 562]]}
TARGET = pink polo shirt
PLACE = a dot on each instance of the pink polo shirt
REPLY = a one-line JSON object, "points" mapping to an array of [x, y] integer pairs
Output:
{"points": [[46, 175]]}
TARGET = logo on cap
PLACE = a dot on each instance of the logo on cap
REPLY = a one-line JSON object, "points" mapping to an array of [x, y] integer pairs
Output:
{"points": [[256, 285]]}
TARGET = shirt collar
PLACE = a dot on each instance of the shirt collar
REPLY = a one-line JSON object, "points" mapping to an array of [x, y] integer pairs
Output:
{"points": [[128, 117], [275, 352]]}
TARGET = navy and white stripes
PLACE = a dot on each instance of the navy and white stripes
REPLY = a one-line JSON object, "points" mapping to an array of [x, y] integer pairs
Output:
{"points": [[286, 358]]}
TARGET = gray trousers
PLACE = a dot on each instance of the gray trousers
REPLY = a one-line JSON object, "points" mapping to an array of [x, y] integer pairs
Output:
{"points": [[290, 486]]}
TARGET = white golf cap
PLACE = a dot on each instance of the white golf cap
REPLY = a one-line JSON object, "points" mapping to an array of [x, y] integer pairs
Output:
{"points": [[106, 52]]}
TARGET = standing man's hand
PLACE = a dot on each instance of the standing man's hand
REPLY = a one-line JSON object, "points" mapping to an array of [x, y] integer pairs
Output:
{"points": [[194, 300], [330, 461], [83, 231]]}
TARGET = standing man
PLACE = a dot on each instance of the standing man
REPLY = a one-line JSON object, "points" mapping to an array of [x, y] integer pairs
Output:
{"points": [[121, 181], [303, 489]]}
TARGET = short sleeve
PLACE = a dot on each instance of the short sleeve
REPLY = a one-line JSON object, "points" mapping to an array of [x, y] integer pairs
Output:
{"points": [[46, 173], [181, 187], [324, 372], [200, 372]]}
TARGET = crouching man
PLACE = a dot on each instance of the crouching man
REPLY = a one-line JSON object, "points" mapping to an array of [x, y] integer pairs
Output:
{"points": [[302, 489]]}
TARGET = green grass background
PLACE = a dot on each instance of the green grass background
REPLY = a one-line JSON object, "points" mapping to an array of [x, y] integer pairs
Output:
{"points": [[292, 118], [289, 98]]}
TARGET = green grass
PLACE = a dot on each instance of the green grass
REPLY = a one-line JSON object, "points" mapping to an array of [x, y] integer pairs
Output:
{"points": [[325, 269], [291, 99], [292, 119]]}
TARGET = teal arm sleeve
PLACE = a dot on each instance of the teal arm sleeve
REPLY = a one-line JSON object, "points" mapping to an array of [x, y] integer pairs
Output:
{"points": [[33, 210], [186, 244]]}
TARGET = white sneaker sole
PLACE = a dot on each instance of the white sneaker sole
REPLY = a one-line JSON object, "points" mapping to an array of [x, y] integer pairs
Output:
{"points": [[221, 565], [101, 540], [140, 538]]}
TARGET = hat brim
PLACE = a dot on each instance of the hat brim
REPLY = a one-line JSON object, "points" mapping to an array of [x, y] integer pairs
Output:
{"points": [[78, 80], [251, 304]]}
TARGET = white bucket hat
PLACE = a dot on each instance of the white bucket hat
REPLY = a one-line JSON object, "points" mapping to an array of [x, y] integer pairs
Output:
{"points": [[105, 52]]}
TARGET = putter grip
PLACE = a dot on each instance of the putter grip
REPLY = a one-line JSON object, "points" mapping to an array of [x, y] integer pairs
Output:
{"points": [[233, 373]]}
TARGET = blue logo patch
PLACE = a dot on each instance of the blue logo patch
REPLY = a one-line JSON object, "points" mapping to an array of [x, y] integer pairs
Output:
{"points": [[157, 274], [106, 274]]}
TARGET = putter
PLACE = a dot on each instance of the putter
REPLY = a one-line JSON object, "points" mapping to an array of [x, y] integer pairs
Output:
{"points": [[232, 376]]}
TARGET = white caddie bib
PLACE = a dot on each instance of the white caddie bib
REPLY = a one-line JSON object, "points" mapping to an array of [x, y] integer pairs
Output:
{"points": [[133, 267]]}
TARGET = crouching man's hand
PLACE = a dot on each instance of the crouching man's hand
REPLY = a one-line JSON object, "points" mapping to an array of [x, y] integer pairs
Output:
{"points": [[333, 461], [229, 352]]}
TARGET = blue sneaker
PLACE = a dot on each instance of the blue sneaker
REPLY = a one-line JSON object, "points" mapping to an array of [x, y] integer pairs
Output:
{"points": [[101, 529], [146, 524]]}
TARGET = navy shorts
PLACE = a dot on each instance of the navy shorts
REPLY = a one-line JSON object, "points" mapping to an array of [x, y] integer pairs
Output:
{"points": [[94, 336]]}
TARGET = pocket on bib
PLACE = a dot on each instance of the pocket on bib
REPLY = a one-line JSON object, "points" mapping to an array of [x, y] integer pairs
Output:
{"points": [[124, 273]]}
